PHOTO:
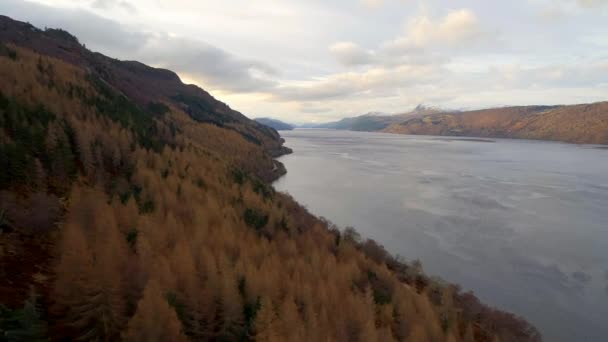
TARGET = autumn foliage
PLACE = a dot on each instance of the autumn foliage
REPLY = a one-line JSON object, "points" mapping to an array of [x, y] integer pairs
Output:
{"points": [[164, 230]]}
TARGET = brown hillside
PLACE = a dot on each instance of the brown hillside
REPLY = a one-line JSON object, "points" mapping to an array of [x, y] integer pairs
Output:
{"points": [[130, 217], [584, 124]]}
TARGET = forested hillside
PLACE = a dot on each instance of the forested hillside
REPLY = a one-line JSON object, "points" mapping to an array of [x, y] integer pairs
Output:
{"points": [[136, 208]]}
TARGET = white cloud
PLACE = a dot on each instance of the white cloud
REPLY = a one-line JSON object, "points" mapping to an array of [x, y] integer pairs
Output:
{"points": [[457, 27], [592, 3], [372, 3], [350, 54], [278, 57], [373, 82]]}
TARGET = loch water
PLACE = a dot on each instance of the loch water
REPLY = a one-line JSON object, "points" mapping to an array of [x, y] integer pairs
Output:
{"points": [[523, 224]]}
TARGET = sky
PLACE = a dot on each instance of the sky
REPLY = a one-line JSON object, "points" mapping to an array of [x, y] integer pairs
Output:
{"points": [[320, 60]]}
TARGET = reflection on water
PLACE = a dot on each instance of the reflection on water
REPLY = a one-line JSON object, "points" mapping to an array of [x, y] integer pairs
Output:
{"points": [[523, 224]]}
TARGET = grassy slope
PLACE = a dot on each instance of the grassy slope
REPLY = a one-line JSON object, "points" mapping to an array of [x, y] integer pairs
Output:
{"points": [[142, 222]]}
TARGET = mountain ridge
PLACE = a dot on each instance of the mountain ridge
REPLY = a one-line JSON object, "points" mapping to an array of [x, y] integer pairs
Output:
{"points": [[579, 123], [275, 124]]}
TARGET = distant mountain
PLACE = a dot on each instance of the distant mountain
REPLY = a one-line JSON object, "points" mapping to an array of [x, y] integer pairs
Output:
{"points": [[360, 123], [583, 124], [276, 124], [374, 121]]}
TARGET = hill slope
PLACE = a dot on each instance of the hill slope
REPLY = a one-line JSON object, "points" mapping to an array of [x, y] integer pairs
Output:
{"points": [[275, 124], [586, 123], [133, 207], [374, 121]]}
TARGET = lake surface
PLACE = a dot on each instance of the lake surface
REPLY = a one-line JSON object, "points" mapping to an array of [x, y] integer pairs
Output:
{"points": [[523, 224]]}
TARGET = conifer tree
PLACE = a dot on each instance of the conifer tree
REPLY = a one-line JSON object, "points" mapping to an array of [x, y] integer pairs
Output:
{"points": [[154, 320]]}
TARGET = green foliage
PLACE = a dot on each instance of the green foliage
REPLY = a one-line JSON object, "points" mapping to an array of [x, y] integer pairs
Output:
{"points": [[27, 128], [136, 189], [250, 311], [124, 197], [250, 308], [262, 189], [381, 294], [23, 324], [158, 108], [201, 183], [8, 52], [178, 306], [63, 34], [4, 223], [351, 235], [165, 173], [12, 54], [381, 297], [239, 176], [283, 224], [201, 110], [76, 91], [120, 109], [255, 218], [132, 237], [18, 168], [147, 206]]}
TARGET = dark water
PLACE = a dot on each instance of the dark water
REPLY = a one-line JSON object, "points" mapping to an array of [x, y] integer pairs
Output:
{"points": [[523, 224]]}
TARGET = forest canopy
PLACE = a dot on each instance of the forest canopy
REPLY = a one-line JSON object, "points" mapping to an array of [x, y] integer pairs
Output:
{"points": [[141, 222]]}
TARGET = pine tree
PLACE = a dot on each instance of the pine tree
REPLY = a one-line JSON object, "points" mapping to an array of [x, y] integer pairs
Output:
{"points": [[24, 324], [154, 320], [88, 289], [265, 322]]}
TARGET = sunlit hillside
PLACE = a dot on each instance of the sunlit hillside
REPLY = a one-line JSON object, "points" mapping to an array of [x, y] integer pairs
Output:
{"points": [[584, 124], [136, 208]]}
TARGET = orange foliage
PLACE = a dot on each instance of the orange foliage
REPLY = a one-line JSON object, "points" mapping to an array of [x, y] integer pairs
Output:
{"points": [[188, 243]]}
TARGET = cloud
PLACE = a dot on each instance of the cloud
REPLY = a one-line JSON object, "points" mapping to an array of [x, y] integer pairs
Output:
{"points": [[110, 4], [97, 32], [211, 66], [456, 28], [472, 57], [424, 41], [313, 108], [593, 73], [372, 3], [351, 54], [592, 3], [374, 82]]}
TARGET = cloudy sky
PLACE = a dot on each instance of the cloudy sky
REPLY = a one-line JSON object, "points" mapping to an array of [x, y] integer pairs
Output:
{"points": [[320, 60]]}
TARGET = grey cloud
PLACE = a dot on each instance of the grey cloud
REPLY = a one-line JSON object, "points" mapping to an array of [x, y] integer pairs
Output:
{"points": [[213, 66], [109, 4], [209, 64], [350, 54], [581, 277], [96, 32]]}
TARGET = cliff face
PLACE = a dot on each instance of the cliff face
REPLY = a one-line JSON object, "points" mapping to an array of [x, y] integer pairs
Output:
{"points": [[583, 124], [133, 207]]}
